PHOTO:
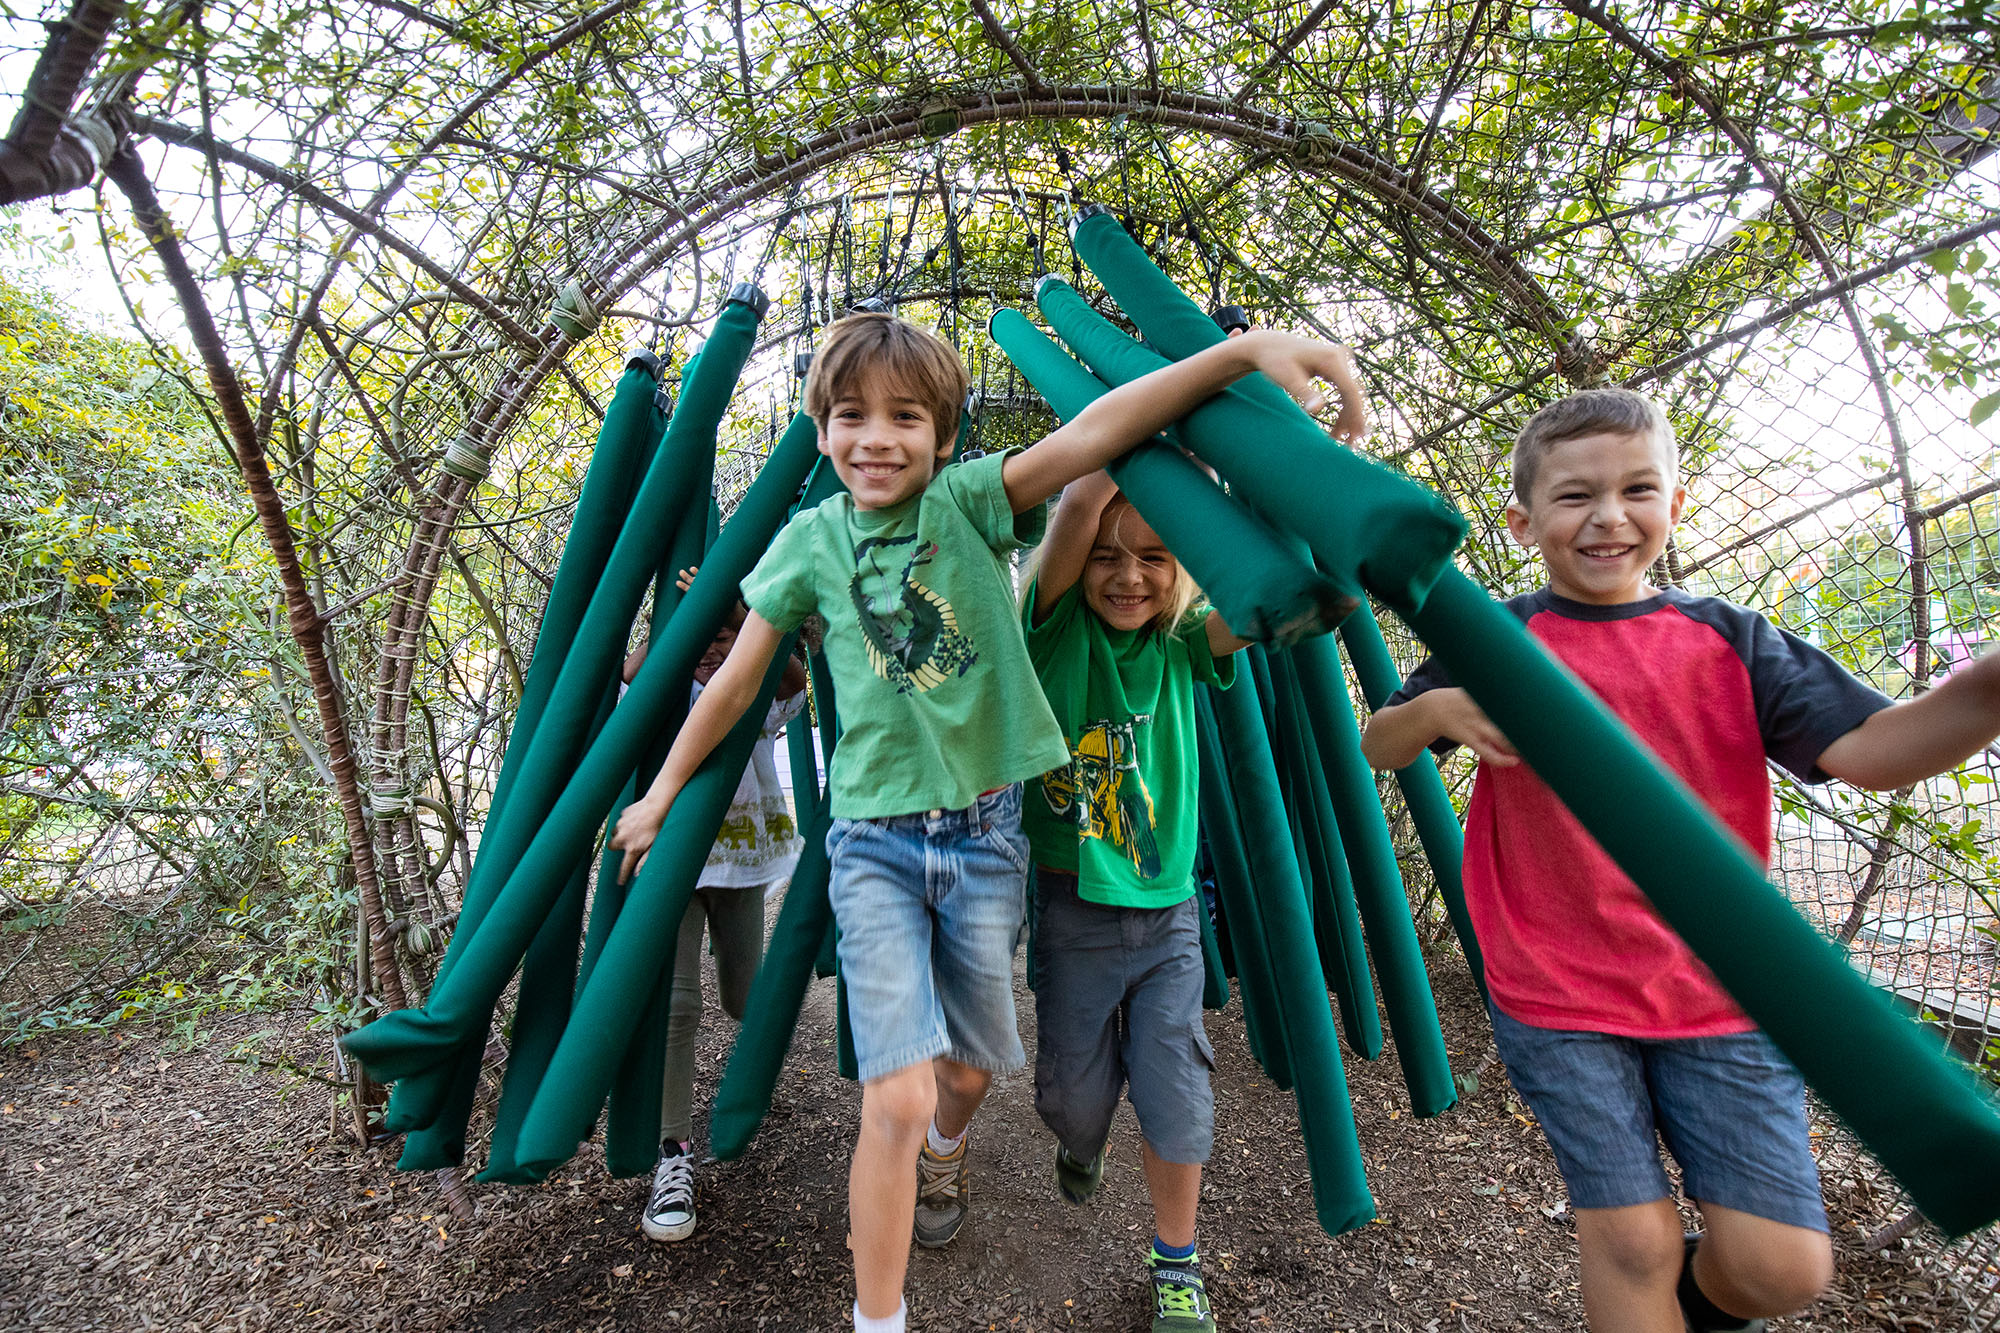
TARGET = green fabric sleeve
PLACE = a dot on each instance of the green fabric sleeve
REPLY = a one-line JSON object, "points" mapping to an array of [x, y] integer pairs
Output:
{"points": [[1367, 524], [416, 1040], [1245, 569], [1378, 880], [1326, 1114], [630, 970], [1935, 1129], [776, 995], [1438, 829]]}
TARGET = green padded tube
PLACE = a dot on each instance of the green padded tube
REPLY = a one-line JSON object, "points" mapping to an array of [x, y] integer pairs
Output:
{"points": [[632, 1126], [1343, 952], [1368, 524], [1246, 570], [843, 1032], [1437, 825], [423, 1039], [1238, 900], [1214, 980], [776, 994], [1326, 1114], [1378, 881], [1917, 1111], [636, 962], [828, 708], [548, 980], [626, 443]]}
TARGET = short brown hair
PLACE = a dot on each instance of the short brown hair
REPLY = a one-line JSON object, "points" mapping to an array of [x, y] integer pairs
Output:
{"points": [[913, 360], [1587, 412]]}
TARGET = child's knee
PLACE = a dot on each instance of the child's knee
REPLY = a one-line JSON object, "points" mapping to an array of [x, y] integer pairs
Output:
{"points": [[900, 1105], [1642, 1244], [1770, 1267]]}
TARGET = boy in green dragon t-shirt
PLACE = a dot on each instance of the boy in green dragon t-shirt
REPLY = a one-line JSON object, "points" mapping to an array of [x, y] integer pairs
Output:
{"points": [[941, 720]]}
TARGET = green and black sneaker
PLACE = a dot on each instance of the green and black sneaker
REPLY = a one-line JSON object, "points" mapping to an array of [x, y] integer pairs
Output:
{"points": [[1078, 1180], [1180, 1301]]}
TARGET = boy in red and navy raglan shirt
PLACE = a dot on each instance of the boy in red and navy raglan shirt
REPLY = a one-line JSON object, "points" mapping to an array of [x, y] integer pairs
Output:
{"points": [[1611, 1029]]}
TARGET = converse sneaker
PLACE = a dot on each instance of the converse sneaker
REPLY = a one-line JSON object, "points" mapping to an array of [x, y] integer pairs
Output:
{"points": [[669, 1214], [1180, 1301], [942, 1191], [1078, 1180]]}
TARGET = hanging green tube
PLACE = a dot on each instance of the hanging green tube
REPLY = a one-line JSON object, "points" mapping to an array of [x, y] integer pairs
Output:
{"points": [[1326, 1114], [1378, 881], [1238, 900], [776, 995], [1244, 568], [631, 968], [1336, 923], [1917, 1111], [1369, 526], [421, 1039], [1438, 829]]}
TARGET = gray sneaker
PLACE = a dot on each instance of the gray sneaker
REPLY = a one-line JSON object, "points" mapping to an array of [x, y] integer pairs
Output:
{"points": [[943, 1189]]}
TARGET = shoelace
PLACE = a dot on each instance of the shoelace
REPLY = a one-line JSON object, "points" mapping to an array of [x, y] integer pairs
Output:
{"points": [[1177, 1298], [939, 1175], [673, 1184]]}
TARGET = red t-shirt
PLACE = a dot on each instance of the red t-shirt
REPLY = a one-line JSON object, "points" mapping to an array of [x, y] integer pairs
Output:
{"points": [[1712, 689]]}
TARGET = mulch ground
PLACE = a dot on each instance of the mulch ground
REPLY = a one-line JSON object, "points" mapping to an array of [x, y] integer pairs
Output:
{"points": [[149, 1184]]}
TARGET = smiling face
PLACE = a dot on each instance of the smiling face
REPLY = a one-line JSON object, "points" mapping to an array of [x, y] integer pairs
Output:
{"points": [[1129, 579], [1600, 509], [883, 443]]}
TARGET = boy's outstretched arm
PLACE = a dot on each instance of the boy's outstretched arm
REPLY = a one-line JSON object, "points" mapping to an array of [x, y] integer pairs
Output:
{"points": [[728, 695], [1396, 735], [1922, 737], [1138, 410], [1072, 532]]}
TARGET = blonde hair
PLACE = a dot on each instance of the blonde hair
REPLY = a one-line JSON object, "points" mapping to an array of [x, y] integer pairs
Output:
{"points": [[1589, 412], [878, 347], [1181, 597]]}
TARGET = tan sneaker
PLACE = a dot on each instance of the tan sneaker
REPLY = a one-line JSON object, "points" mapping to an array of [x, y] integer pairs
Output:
{"points": [[943, 1189]]}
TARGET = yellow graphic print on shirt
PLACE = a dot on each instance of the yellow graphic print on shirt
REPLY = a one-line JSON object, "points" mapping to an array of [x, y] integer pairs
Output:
{"points": [[912, 634], [1104, 793]]}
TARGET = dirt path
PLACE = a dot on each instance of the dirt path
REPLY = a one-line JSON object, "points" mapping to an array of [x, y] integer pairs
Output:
{"points": [[155, 1186]]}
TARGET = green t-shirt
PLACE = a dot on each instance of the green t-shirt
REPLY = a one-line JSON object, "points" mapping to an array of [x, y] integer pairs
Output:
{"points": [[1121, 814], [936, 698]]}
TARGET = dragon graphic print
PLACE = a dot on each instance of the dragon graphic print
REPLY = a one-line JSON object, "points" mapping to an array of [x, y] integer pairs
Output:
{"points": [[911, 633]]}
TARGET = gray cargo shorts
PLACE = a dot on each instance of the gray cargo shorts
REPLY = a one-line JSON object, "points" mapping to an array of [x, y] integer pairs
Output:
{"points": [[1118, 1006]]}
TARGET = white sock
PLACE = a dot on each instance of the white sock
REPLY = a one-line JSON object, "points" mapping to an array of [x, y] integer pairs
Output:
{"points": [[892, 1323], [939, 1144]]}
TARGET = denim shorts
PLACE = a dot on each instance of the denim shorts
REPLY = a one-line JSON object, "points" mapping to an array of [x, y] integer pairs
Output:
{"points": [[929, 907], [1731, 1110], [1118, 1005]]}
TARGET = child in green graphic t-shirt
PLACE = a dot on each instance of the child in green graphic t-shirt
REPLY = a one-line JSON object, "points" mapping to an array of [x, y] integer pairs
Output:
{"points": [[941, 720], [1117, 942]]}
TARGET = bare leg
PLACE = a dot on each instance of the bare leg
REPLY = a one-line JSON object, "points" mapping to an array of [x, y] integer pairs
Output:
{"points": [[1175, 1188], [896, 1111], [1757, 1268], [1631, 1262], [960, 1089]]}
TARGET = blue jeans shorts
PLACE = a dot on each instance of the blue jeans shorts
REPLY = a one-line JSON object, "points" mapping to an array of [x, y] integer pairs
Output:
{"points": [[1731, 1110], [929, 907], [1118, 1006]]}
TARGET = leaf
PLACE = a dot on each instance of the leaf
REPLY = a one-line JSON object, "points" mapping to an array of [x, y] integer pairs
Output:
{"points": [[1984, 408]]}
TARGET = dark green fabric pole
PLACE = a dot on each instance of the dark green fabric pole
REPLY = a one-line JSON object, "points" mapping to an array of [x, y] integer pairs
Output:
{"points": [[1326, 1114], [1438, 829], [1238, 899], [418, 1040], [1368, 524], [826, 704], [1924, 1117], [1378, 881], [776, 995], [632, 1125], [1244, 568], [1214, 979], [638, 952], [626, 443], [1336, 924], [843, 1032], [548, 980]]}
